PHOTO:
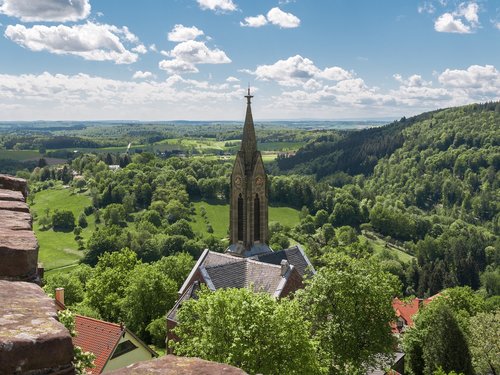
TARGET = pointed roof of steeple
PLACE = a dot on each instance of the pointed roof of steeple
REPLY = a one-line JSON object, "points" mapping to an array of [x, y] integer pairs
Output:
{"points": [[249, 142]]}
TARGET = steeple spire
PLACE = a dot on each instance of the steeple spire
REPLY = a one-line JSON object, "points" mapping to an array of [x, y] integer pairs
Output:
{"points": [[249, 142]]}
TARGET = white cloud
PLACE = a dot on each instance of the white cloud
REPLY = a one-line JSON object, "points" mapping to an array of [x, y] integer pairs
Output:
{"points": [[426, 7], [469, 11], [447, 23], [152, 47], [476, 79], [186, 55], [142, 75], [497, 25], [414, 80], [181, 33], [81, 96], [282, 19], [46, 10], [232, 79], [256, 21], [177, 66], [462, 21], [296, 70], [90, 41], [141, 48], [218, 5]]}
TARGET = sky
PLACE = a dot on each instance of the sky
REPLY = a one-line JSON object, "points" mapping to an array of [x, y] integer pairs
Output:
{"points": [[194, 59]]}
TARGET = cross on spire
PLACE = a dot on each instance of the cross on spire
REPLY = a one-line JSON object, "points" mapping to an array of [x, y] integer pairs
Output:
{"points": [[248, 96]]}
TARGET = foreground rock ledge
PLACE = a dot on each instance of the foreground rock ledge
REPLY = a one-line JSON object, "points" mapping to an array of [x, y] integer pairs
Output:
{"points": [[32, 341], [171, 364]]}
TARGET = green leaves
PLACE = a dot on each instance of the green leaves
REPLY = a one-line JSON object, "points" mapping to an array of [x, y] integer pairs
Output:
{"points": [[248, 330], [349, 304]]}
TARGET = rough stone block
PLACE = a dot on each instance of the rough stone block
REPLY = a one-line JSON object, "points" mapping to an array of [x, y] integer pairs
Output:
{"points": [[32, 341], [14, 220], [14, 183], [18, 255], [14, 206], [11, 195], [171, 364]]}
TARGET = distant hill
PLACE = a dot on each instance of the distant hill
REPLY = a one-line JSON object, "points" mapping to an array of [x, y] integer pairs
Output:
{"points": [[358, 152]]}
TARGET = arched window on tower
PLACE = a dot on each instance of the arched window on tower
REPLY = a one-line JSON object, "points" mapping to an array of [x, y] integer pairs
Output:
{"points": [[240, 218], [256, 218]]}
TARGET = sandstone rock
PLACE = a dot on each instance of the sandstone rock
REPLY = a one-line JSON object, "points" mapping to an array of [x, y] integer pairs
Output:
{"points": [[171, 364], [13, 206], [11, 195], [18, 255], [14, 220], [31, 339], [14, 183]]}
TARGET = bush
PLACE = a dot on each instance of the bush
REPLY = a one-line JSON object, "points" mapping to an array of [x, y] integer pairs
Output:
{"points": [[63, 220]]}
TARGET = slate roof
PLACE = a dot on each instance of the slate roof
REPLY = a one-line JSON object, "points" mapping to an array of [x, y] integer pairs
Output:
{"points": [[218, 270], [295, 256], [244, 274], [189, 293]]}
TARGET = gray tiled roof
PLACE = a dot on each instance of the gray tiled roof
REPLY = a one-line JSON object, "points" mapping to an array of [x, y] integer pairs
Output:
{"points": [[295, 256], [245, 273]]}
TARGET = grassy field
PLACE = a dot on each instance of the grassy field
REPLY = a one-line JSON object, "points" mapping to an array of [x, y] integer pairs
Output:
{"points": [[59, 249], [19, 155], [379, 245], [218, 217]]}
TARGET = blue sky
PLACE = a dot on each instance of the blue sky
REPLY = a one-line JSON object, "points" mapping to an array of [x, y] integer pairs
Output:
{"points": [[193, 59]]}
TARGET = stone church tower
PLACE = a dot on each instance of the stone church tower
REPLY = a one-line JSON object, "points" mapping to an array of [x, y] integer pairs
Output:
{"points": [[248, 223]]}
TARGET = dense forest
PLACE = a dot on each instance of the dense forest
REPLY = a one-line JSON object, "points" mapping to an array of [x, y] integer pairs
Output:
{"points": [[426, 187]]}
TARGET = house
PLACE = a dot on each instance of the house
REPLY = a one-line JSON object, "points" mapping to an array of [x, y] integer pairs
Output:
{"points": [[248, 262], [406, 310], [113, 345]]}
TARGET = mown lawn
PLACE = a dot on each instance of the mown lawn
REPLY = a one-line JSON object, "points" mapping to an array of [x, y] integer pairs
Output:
{"points": [[218, 217], [379, 245], [59, 249], [19, 155]]}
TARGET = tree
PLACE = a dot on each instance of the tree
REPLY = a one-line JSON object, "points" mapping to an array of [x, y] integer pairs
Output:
{"points": [[109, 282], [82, 220], [114, 214], [437, 341], [63, 220], [249, 330], [73, 287], [106, 239], [176, 267], [484, 342], [148, 296], [349, 303], [44, 222]]}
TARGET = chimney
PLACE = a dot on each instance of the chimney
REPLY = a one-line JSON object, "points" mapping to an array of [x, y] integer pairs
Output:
{"points": [[60, 295], [285, 266]]}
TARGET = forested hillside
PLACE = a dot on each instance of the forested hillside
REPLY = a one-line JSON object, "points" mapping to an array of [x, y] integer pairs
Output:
{"points": [[352, 152], [429, 184]]}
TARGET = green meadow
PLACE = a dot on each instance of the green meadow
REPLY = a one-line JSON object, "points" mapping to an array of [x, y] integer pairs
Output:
{"points": [[19, 155], [379, 245], [59, 249], [218, 217]]}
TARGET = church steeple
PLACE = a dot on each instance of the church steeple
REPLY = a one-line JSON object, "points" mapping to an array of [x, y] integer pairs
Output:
{"points": [[248, 225]]}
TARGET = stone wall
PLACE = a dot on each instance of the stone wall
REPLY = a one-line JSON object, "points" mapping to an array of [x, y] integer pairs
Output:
{"points": [[32, 341]]}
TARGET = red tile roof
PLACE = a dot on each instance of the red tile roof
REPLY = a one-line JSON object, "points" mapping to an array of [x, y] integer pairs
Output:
{"points": [[407, 309], [98, 337]]}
